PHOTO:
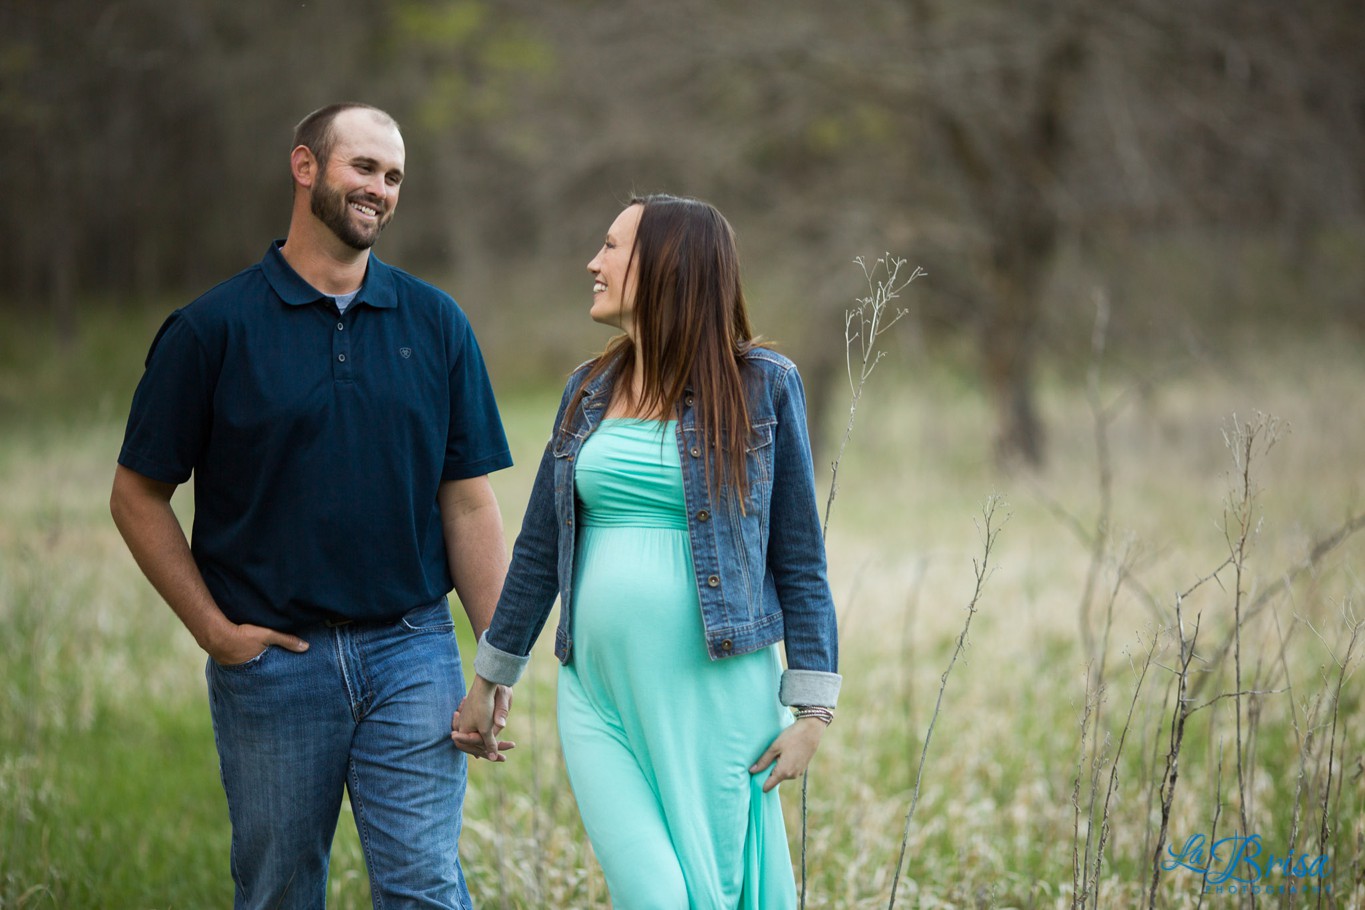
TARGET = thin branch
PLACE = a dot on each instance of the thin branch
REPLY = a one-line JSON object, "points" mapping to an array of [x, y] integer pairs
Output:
{"points": [[872, 322], [870, 317], [981, 570], [1319, 551]]}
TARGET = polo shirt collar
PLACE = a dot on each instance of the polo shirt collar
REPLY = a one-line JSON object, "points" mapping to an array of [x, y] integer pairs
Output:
{"points": [[377, 290]]}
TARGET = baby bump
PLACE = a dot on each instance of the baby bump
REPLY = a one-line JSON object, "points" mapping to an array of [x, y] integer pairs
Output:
{"points": [[634, 591]]}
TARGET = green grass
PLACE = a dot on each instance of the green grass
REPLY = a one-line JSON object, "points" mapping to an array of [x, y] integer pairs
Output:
{"points": [[109, 794]]}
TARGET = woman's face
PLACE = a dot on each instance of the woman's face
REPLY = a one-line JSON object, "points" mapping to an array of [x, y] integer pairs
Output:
{"points": [[614, 282]]}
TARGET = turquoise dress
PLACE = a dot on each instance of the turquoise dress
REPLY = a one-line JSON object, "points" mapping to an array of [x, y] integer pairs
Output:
{"points": [[658, 738]]}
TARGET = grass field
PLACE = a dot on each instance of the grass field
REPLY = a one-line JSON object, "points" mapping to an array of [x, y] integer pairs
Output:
{"points": [[109, 794]]}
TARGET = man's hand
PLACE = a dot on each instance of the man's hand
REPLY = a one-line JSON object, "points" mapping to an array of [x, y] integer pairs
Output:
{"points": [[475, 726], [243, 643]]}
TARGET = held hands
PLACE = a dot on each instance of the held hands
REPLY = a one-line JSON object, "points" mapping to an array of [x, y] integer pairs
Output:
{"points": [[792, 751], [482, 715]]}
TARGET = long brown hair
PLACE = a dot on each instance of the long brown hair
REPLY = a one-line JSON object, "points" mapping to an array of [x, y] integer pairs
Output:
{"points": [[691, 327]]}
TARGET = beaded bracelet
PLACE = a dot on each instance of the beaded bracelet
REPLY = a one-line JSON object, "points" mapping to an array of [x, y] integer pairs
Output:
{"points": [[817, 711]]}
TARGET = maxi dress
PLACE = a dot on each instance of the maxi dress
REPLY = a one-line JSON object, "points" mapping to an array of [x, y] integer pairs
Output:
{"points": [[658, 738]]}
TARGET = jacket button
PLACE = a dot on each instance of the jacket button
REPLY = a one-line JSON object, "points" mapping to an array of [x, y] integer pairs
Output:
{"points": [[713, 581], [696, 452], [726, 645], [688, 401], [569, 522], [703, 515]]}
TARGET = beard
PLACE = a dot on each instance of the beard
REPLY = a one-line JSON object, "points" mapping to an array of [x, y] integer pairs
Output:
{"points": [[333, 209]]}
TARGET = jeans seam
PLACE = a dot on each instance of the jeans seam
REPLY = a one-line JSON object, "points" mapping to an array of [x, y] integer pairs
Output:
{"points": [[362, 828]]}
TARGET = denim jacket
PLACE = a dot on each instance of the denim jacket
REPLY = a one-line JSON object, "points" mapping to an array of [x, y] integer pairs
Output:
{"points": [[760, 572]]}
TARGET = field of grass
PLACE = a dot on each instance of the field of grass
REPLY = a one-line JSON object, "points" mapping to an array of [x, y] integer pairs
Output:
{"points": [[109, 794]]}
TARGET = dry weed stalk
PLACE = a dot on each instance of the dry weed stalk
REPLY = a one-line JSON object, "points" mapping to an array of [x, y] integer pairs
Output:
{"points": [[1213, 826], [864, 325], [1099, 536], [1344, 669], [1319, 551], [1179, 714], [1086, 870], [1080, 860], [1248, 441], [1088, 859], [1102, 417], [990, 530], [1241, 522]]}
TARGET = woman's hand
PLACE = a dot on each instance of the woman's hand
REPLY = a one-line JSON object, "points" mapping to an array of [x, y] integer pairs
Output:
{"points": [[792, 751], [479, 719]]}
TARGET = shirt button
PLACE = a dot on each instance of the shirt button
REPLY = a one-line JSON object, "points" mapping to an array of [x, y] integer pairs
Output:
{"points": [[703, 515], [714, 581], [726, 645], [341, 357]]}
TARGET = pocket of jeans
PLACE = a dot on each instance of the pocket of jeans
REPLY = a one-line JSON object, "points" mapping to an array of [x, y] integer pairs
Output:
{"points": [[246, 664], [432, 619]]}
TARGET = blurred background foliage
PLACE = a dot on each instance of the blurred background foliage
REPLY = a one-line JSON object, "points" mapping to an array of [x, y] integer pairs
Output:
{"points": [[1196, 165]]}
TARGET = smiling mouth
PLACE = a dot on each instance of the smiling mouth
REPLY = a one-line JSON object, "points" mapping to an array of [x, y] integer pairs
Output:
{"points": [[367, 210], [598, 287]]}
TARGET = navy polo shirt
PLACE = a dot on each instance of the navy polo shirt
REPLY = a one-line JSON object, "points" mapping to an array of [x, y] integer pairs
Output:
{"points": [[316, 441]]}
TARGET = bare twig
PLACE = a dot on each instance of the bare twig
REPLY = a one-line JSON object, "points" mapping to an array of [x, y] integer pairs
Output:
{"points": [[1099, 543], [1319, 551], [1080, 859], [1114, 772], [1240, 523], [1180, 713], [864, 325], [1213, 828], [989, 532], [1343, 671]]}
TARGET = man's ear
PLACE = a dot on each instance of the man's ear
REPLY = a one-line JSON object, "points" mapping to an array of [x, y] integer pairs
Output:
{"points": [[304, 166]]}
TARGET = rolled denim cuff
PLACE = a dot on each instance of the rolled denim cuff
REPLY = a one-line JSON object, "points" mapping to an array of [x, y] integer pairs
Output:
{"points": [[804, 687], [498, 667]]}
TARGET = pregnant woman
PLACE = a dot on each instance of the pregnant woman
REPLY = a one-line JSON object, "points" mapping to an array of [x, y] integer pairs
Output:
{"points": [[674, 516]]}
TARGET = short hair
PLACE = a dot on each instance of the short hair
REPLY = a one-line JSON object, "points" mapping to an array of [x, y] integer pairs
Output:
{"points": [[316, 133]]}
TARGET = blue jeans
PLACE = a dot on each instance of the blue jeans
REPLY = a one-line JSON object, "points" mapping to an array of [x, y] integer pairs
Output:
{"points": [[365, 709]]}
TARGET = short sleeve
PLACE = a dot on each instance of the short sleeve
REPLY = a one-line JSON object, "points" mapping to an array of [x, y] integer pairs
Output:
{"points": [[475, 444], [168, 424]]}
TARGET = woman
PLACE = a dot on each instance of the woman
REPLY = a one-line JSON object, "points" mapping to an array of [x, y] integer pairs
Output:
{"points": [[674, 515]]}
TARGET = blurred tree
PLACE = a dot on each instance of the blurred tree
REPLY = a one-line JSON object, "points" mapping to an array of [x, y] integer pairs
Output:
{"points": [[977, 137], [1008, 126]]}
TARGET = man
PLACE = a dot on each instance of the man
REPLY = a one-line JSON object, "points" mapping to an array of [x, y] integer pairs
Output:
{"points": [[339, 424]]}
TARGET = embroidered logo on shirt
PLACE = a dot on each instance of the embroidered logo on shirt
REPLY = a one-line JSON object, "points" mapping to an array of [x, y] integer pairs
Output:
{"points": [[406, 352]]}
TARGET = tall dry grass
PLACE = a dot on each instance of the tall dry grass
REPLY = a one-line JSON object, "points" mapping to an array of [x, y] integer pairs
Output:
{"points": [[1042, 785]]}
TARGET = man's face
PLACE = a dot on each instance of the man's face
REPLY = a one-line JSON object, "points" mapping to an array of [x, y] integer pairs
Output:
{"points": [[357, 190]]}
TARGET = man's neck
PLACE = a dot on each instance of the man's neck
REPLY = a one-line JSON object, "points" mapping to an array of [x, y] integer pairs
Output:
{"points": [[324, 262]]}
